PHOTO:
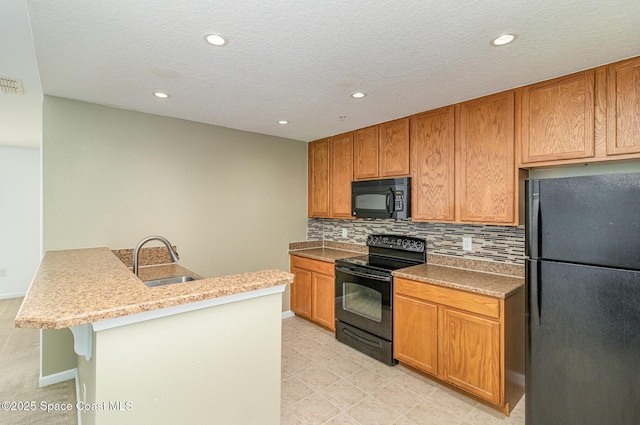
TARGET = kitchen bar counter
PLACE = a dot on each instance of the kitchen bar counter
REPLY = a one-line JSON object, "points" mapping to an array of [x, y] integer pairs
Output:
{"points": [[80, 286]]}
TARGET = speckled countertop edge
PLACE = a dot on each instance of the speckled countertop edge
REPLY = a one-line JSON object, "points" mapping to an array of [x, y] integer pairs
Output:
{"points": [[74, 287], [495, 285], [329, 251], [481, 277]]}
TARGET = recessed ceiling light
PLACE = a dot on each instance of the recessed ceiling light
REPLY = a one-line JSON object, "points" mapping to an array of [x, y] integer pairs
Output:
{"points": [[503, 39], [161, 95], [283, 122], [216, 39], [358, 95]]}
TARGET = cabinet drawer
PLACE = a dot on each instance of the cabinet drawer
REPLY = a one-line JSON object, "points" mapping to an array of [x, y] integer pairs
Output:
{"points": [[317, 266], [475, 303]]}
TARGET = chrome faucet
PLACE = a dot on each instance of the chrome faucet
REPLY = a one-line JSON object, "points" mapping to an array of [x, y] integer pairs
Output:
{"points": [[136, 252]]}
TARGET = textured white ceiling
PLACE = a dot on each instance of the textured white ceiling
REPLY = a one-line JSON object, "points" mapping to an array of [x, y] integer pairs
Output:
{"points": [[300, 60]]}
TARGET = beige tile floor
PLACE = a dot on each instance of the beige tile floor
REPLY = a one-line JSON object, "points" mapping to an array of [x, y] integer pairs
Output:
{"points": [[326, 382]]}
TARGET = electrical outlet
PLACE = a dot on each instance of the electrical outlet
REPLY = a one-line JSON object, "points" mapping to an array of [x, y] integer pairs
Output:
{"points": [[467, 244], [344, 233], [3, 272]]}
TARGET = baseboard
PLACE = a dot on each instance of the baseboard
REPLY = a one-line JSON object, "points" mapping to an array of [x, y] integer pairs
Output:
{"points": [[58, 377], [287, 314], [12, 295]]}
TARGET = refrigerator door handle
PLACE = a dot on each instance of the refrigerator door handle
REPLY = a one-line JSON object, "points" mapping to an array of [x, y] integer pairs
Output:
{"points": [[533, 228], [534, 292]]}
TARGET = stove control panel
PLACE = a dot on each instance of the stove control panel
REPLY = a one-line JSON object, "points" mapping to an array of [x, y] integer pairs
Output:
{"points": [[399, 242]]}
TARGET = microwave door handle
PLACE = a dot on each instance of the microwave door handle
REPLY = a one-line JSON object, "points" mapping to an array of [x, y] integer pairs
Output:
{"points": [[389, 202]]}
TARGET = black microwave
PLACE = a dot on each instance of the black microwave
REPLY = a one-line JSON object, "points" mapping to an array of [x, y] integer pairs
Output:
{"points": [[385, 198]]}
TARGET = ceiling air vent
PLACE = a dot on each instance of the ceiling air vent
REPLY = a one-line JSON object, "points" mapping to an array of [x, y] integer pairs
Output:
{"points": [[9, 85]]}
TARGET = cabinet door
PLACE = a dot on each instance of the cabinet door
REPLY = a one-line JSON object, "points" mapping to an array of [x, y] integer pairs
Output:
{"points": [[623, 107], [324, 300], [318, 153], [301, 292], [558, 119], [471, 353], [394, 148], [341, 175], [487, 163], [415, 333], [433, 170], [365, 159]]}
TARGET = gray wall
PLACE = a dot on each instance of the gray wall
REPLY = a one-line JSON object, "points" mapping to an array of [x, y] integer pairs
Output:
{"points": [[231, 201]]}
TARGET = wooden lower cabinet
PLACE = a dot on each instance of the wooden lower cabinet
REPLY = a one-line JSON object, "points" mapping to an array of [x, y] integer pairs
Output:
{"points": [[415, 333], [471, 353], [323, 300], [474, 342], [313, 291], [301, 292]]}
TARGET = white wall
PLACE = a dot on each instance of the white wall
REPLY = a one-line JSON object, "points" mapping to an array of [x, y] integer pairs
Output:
{"points": [[19, 219]]}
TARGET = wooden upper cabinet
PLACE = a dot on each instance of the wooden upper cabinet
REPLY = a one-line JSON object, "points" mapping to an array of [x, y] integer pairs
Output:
{"points": [[558, 119], [365, 159], [623, 107], [318, 153], [340, 175], [487, 162], [433, 165], [394, 148]]}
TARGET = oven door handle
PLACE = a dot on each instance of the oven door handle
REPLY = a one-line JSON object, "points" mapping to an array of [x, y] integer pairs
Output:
{"points": [[362, 274]]}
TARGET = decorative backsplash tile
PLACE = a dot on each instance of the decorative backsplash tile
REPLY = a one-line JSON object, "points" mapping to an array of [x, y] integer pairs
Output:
{"points": [[490, 243]]}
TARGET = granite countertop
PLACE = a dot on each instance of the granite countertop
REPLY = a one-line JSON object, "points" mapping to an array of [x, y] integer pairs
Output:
{"points": [[79, 286], [481, 277], [325, 254], [327, 251], [495, 285]]}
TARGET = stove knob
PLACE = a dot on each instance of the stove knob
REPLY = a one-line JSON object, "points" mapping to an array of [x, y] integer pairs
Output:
{"points": [[406, 243], [374, 240]]}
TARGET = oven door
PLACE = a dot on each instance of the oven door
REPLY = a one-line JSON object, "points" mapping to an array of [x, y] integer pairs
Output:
{"points": [[364, 300]]}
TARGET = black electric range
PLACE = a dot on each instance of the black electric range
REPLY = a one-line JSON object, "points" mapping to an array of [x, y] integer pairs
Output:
{"points": [[364, 293]]}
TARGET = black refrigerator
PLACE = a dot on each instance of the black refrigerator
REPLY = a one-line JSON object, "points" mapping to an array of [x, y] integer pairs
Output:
{"points": [[583, 300]]}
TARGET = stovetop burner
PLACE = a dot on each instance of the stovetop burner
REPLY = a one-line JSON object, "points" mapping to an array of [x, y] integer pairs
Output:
{"points": [[388, 264], [390, 252]]}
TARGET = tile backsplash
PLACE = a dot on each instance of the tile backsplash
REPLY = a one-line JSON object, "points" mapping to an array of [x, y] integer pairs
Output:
{"points": [[492, 243]]}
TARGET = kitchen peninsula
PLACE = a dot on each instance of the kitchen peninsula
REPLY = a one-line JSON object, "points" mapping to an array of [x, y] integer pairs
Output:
{"points": [[208, 349]]}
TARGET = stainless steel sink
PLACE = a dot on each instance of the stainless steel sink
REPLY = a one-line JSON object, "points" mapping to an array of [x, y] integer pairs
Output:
{"points": [[168, 281]]}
